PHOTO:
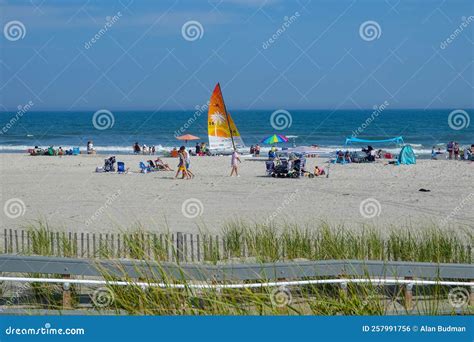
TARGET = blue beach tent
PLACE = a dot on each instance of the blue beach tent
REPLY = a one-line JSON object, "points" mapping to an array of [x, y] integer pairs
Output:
{"points": [[407, 156]]}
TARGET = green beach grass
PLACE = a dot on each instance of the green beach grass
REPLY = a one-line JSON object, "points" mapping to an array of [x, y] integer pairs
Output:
{"points": [[256, 242]]}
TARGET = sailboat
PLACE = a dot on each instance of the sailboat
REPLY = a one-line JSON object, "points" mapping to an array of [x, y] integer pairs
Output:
{"points": [[224, 137]]}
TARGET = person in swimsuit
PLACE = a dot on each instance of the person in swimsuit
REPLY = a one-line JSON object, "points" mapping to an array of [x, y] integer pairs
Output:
{"points": [[182, 164]]}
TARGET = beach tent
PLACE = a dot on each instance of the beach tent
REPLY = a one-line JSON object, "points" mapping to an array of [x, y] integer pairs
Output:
{"points": [[407, 156], [396, 140]]}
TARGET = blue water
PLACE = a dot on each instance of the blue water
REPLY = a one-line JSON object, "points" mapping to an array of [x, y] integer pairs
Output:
{"points": [[326, 128]]}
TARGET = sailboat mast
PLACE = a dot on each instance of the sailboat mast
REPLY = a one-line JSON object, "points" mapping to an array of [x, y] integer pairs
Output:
{"points": [[227, 118]]}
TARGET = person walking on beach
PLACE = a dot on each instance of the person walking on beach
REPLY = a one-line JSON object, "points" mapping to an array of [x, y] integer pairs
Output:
{"points": [[187, 160], [182, 164], [235, 158]]}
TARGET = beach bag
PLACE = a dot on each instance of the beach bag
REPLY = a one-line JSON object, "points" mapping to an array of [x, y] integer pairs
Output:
{"points": [[99, 169]]}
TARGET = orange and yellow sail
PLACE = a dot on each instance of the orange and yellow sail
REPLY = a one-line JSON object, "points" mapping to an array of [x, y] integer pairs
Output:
{"points": [[221, 128]]}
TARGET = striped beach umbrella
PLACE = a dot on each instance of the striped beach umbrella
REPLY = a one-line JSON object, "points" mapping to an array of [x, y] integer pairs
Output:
{"points": [[275, 138]]}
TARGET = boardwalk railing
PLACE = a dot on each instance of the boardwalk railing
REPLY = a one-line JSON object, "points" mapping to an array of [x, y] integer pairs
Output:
{"points": [[67, 271], [234, 272]]}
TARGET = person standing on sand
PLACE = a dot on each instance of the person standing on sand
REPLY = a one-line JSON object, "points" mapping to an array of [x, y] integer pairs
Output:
{"points": [[233, 163], [456, 151], [450, 148]]}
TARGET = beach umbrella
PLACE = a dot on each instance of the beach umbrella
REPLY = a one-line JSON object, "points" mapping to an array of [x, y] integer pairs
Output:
{"points": [[187, 137], [275, 138]]}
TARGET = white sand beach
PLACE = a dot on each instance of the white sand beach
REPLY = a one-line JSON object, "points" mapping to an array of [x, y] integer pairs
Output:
{"points": [[69, 195]]}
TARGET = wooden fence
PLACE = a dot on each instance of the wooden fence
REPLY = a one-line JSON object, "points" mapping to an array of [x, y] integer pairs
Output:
{"points": [[183, 247]]}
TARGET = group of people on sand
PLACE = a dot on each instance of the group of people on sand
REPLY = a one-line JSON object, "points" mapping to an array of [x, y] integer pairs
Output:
{"points": [[144, 149], [183, 164], [201, 149], [255, 150], [454, 151]]}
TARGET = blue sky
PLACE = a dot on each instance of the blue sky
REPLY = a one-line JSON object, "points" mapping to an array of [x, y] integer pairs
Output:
{"points": [[320, 60]]}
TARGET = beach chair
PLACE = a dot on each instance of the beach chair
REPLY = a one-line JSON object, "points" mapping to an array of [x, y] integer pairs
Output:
{"points": [[143, 168], [121, 167], [75, 151], [270, 167]]}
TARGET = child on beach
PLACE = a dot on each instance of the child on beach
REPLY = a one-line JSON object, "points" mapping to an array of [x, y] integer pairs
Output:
{"points": [[90, 147], [318, 171], [233, 163]]}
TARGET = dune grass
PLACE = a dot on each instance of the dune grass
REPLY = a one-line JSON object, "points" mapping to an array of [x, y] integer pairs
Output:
{"points": [[242, 242], [269, 243]]}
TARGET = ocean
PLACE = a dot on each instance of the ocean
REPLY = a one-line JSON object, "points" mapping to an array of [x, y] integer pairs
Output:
{"points": [[116, 131]]}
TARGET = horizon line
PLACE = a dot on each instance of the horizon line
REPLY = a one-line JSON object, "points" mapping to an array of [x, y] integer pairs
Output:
{"points": [[234, 109]]}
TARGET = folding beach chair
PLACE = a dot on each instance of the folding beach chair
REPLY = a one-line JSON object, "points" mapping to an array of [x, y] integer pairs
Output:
{"points": [[144, 168], [270, 167], [121, 167], [75, 151]]}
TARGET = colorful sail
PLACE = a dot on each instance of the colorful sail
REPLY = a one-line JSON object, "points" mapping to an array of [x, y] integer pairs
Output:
{"points": [[221, 127]]}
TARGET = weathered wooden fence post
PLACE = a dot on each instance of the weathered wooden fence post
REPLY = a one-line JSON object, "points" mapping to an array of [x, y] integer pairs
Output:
{"points": [[471, 297], [179, 247], [67, 298], [408, 294]]}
